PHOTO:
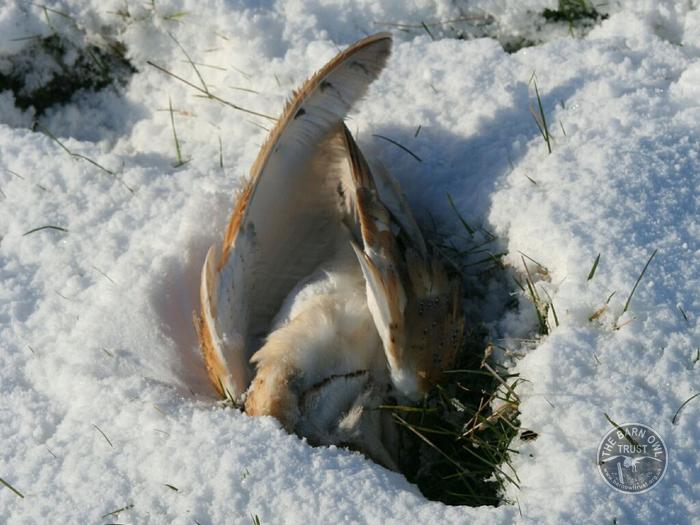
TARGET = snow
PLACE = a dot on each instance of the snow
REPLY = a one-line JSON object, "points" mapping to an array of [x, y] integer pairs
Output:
{"points": [[96, 333]]}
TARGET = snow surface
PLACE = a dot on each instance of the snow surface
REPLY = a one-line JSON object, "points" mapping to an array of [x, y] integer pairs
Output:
{"points": [[95, 324]]}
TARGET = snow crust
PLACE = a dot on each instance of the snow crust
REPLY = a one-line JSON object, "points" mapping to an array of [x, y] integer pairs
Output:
{"points": [[104, 399]]}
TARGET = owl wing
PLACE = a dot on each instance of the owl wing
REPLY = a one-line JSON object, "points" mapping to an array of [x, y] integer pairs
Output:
{"points": [[416, 307], [287, 217]]}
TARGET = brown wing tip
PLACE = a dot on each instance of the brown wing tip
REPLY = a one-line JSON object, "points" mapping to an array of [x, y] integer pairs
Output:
{"points": [[206, 346], [371, 39], [216, 368]]}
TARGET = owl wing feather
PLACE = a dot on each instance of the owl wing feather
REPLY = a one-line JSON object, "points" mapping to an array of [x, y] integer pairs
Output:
{"points": [[415, 305]]}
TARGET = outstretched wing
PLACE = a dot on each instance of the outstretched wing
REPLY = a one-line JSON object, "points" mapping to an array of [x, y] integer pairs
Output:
{"points": [[286, 219], [415, 305]]}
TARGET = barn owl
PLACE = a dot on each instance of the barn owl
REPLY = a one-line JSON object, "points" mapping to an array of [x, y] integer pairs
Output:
{"points": [[325, 299]]}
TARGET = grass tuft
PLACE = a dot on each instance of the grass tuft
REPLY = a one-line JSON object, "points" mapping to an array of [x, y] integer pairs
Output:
{"points": [[92, 68], [542, 307], [459, 438], [572, 12], [551, 306]]}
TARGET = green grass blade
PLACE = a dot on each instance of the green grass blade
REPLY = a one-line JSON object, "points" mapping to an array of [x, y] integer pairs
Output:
{"points": [[627, 303], [401, 146], [179, 162], [48, 227], [593, 269], [7, 484], [542, 122], [459, 215], [103, 435], [620, 429], [674, 420]]}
